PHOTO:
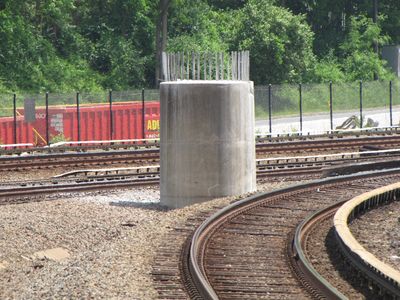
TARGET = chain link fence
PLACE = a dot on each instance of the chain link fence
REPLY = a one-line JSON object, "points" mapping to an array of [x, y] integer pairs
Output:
{"points": [[44, 119], [292, 108]]}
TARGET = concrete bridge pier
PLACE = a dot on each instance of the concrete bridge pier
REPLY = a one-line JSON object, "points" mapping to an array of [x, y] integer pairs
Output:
{"points": [[207, 140]]}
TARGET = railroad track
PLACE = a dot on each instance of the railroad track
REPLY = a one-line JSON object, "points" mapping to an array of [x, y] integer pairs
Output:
{"points": [[28, 191], [272, 169], [300, 259], [241, 251], [52, 160], [136, 144], [376, 277], [282, 166], [318, 145], [88, 155]]}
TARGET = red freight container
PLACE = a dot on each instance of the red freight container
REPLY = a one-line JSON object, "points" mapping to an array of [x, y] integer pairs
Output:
{"points": [[94, 123], [25, 133]]}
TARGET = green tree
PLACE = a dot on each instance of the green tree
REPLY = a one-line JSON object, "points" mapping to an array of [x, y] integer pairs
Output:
{"points": [[195, 26], [360, 61], [28, 58], [327, 69], [118, 40], [279, 42]]}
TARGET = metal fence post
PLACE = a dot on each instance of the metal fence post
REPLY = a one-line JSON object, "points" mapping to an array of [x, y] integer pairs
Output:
{"points": [[331, 104], [301, 108], [361, 103], [78, 118], [15, 117], [47, 119], [391, 103], [269, 108], [111, 115], [143, 116]]}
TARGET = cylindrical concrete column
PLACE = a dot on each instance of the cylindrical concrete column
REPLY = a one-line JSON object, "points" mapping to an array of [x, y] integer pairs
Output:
{"points": [[207, 140]]}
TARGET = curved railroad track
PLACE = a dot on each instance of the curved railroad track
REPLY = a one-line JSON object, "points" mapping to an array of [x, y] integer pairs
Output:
{"points": [[362, 270], [300, 259], [240, 252]]}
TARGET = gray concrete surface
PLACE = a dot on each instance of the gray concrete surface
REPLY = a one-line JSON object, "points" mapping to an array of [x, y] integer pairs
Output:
{"points": [[207, 141], [316, 123]]}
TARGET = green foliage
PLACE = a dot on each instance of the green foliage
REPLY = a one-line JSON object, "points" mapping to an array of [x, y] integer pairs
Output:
{"points": [[357, 60], [327, 69], [360, 60], [227, 4], [58, 138], [119, 40], [65, 45], [194, 26], [28, 56], [92, 45], [279, 42]]}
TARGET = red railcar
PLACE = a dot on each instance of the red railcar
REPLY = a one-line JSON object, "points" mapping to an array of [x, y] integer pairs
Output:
{"points": [[94, 123], [25, 133]]}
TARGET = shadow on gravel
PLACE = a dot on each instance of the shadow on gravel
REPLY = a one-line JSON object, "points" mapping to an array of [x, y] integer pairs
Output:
{"points": [[342, 266], [143, 205]]}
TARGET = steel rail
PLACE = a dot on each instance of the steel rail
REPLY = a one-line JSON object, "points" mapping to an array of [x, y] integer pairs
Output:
{"points": [[337, 133], [15, 149], [327, 144], [199, 281], [83, 146], [70, 159], [13, 194], [301, 264], [381, 274]]}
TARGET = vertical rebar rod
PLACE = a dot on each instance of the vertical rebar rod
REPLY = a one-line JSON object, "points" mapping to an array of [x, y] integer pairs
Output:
{"points": [[331, 104], [198, 66], [239, 61], [174, 76], [209, 55], [168, 58], [222, 66], [178, 66], [193, 67], [205, 66], [216, 67], [15, 117], [187, 66], [47, 119], [232, 64], [248, 65]]}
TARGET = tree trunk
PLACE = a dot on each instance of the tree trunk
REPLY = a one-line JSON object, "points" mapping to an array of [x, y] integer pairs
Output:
{"points": [[161, 37]]}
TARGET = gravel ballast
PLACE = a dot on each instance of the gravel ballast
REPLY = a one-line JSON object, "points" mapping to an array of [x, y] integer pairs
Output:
{"points": [[378, 230], [112, 238]]}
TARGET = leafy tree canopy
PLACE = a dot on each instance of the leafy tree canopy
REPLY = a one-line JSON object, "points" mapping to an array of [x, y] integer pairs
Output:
{"points": [[280, 43], [65, 45]]}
